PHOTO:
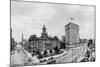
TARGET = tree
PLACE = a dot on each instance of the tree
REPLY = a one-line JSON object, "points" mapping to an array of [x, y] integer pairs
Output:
{"points": [[51, 51], [32, 37], [39, 54], [45, 52], [62, 46], [90, 41], [56, 49]]}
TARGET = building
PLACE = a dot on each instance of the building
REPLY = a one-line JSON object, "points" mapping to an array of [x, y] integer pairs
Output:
{"points": [[71, 33], [83, 40], [13, 43], [63, 39], [91, 43], [44, 42]]}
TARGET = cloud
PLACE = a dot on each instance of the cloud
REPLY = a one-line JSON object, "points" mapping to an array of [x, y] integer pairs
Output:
{"points": [[29, 18]]}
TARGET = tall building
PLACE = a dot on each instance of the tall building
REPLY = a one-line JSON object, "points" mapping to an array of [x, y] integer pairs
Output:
{"points": [[71, 33]]}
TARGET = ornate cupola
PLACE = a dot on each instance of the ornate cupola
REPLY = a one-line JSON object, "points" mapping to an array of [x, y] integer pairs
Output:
{"points": [[44, 33], [44, 29]]}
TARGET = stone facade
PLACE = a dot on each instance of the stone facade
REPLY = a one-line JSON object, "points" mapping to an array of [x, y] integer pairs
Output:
{"points": [[44, 42], [71, 33]]}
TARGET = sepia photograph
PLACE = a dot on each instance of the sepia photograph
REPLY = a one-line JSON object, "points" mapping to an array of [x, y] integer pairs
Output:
{"points": [[44, 33]]}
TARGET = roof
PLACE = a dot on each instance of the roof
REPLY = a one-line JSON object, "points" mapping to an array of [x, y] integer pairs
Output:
{"points": [[70, 23]]}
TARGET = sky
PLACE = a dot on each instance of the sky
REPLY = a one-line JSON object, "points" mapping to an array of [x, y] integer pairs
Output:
{"points": [[28, 18]]}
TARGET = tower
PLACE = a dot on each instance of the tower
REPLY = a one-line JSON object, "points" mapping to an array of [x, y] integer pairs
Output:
{"points": [[44, 33], [71, 33], [44, 29]]}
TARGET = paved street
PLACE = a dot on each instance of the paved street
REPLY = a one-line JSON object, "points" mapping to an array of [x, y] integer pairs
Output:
{"points": [[77, 54]]}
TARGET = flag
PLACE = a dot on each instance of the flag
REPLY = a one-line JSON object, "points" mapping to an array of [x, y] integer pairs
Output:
{"points": [[71, 18]]}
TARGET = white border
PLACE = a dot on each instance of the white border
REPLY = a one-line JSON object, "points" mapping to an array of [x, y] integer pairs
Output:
{"points": [[5, 33]]}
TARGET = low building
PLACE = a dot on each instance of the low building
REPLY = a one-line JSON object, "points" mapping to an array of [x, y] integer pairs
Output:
{"points": [[83, 40], [91, 43], [63, 39]]}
